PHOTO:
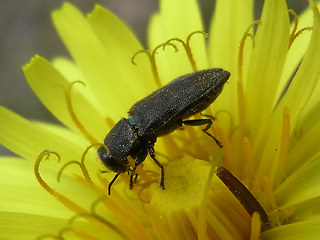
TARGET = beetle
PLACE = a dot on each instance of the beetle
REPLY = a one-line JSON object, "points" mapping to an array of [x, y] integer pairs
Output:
{"points": [[158, 114]]}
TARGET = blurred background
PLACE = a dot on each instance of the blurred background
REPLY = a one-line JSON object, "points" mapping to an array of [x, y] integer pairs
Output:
{"points": [[26, 30]]}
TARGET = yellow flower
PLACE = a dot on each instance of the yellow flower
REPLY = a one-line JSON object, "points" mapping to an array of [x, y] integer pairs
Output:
{"points": [[267, 119]]}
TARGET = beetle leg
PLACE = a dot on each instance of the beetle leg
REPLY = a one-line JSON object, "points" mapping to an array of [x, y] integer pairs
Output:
{"points": [[152, 155], [112, 181], [199, 122], [141, 157], [207, 116], [135, 177]]}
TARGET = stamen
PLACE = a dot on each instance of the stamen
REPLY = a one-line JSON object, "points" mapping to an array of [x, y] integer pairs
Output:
{"points": [[202, 222], [255, 226], [280, 216], [231, 127], [119, 204], [51, 236], [194, 148], [152, 59], [241, 107], [98, 219], [110, 122], [83, 168], [285, 136], [228, 150], [294, 34], [143, 194], [60, 234], [172, 148], [241, 95], [85, 236], [74, 116], [64, 230], [144, 183], [298, 33], [244, 196], [65, 201], [125, 210], [295, 26], [187, 48], [82, 163], [151, 54], [284, 147], [101, 219], [65, 166], [241, 48], [95, 203], [248, 158]]}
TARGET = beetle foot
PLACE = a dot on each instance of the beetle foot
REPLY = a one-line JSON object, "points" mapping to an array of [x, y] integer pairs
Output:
{"points": [[132, 181], [162, 180], [162, 185]]}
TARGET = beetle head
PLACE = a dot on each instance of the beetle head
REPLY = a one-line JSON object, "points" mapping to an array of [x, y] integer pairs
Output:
{"points": [[119, 165], [119, 143]]}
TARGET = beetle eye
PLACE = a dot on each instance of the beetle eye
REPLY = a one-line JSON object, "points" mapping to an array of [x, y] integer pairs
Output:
{"points": [[114, 164], [102, 152]]}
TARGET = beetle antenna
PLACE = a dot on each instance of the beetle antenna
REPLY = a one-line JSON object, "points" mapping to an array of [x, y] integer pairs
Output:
{"points": [[112, 181]]}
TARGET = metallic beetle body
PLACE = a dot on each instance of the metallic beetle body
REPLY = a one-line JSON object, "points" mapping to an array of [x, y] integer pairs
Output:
{"points": [[159, 114]]}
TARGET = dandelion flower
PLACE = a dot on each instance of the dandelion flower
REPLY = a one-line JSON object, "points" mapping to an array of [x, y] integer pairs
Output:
{"points": [[264, 183]]}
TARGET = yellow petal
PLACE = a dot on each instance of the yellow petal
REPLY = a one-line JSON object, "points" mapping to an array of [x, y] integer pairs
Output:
{"points": [[180, 23], [162, 58], [16, 225], [305, 146], [62, 132], [49, 86], [230, 21], [71, 72], [28, 140], [121, 44], [266, 63], [303, 88], [177, 23], [20, 192], [24, 203], [301, 185], [228, 25], [96, 64], [172, 22], [295, 231], [297, 49], [299, 98]]}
